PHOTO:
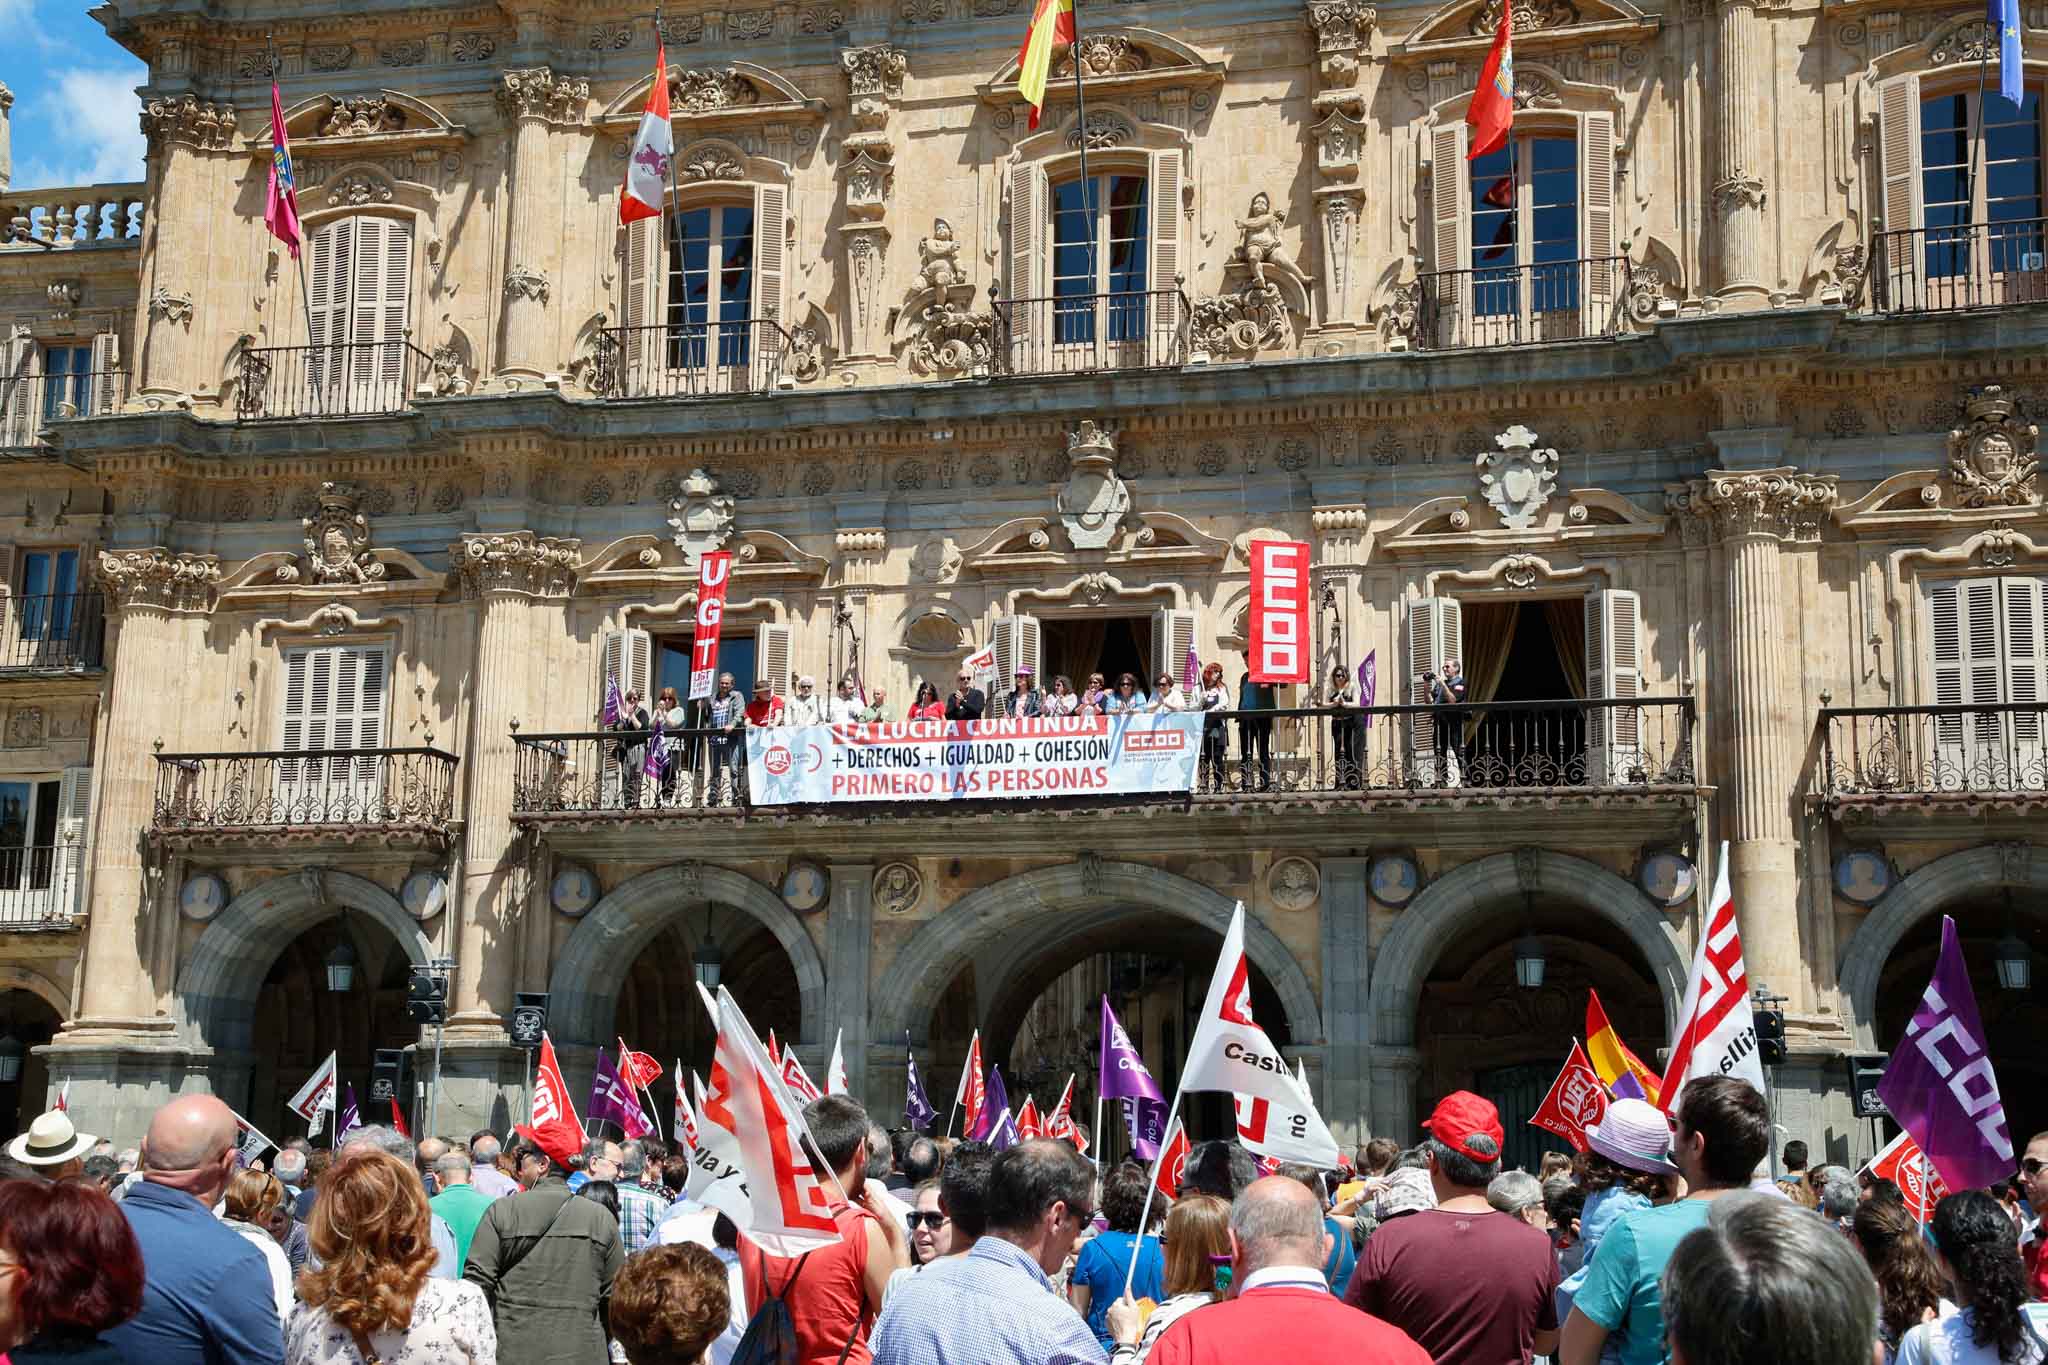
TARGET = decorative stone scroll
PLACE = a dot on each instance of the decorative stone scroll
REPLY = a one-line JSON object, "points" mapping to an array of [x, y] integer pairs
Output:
{"points": [[1241, 324], [1991, 460]]}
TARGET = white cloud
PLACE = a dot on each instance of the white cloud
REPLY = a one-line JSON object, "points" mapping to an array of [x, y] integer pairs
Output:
{"points": [[98, 115]]}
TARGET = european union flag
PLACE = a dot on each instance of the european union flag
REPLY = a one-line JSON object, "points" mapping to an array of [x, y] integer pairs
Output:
{"points": [[2004, 17]]}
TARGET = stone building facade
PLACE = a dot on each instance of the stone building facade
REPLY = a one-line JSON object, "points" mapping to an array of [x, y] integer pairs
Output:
{"points": [[1699, 423]]}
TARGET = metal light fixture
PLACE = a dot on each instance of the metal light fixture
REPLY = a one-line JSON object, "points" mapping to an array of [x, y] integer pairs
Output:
{"points": [[2015, 961], [341, 967], [1529, 962], [708, 961], [11, 1053]]}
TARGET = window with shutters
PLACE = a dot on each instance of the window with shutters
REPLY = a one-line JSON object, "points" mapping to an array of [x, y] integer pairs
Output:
{"points": [[48, 599], [334, 698], [1989, 639], [711, 289], [359, 307], [704, 304], [1100, 239], [67, 381]]}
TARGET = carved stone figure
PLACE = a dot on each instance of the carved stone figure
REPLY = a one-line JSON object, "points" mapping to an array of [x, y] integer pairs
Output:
{"points": [[1991, 460], [1093, 502], [939, 258], [337, 538], [1519, 478], [1262, 245], [703, 517]]}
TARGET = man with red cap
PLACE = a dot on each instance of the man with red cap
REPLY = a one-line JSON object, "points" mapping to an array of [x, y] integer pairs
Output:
{"points": [[1469, 1283]]}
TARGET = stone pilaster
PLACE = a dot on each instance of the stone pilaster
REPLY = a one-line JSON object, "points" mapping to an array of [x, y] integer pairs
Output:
{"points": [[1394, 1073], [1343, 30], [181, 131], [532, 100], [1753, 514], [1741, 69], [6, 137], [849, 951], [1347, 985], [874, 83]]}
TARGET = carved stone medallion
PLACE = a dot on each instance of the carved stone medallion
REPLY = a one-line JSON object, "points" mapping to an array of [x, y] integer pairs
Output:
{"points": [[338, 539], [703, 516], [898, 886], [1991, 460], [1294, 883], [1093, 501], [1519, 478]]}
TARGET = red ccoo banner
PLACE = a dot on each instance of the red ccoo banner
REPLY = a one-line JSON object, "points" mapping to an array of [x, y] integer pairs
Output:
{"points": [[1279, 611], [714, 574]]}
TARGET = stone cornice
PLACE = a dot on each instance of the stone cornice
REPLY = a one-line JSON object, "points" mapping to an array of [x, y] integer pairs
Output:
{"points": [[189, 121], [158, 578], [515, 562], [1735, 503]]}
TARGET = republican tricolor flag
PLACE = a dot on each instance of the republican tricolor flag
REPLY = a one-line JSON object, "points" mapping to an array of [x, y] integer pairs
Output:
{"points": [[1491, 115], [654, 146], [1052, 26]]}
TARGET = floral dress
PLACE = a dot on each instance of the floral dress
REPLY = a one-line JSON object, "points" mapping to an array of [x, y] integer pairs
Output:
{"points": [[451, 1325]]}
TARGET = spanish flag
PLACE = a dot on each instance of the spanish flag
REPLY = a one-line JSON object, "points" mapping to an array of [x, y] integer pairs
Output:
{"points": [[1052, 25], [1623, 1071]]}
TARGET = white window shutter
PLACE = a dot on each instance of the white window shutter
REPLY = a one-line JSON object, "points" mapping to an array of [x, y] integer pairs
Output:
{"points": [[2026, 674], [1016, 645], [1596, 152], [772, 654], [74, 819], [1613, 672], [106, 394], [6, 597], [21, 406], [640, 351], [1969, 664], [771, 267], [1030, 226], [1164, 192], [1450, 228], [627, 655], [1435, 633], [1898, 144], [1944, 614], [372, 679], [327, 292], [379, 290], [1173, 635]]}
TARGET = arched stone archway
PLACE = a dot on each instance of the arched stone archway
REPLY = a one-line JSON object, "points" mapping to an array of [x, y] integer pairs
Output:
{"points": [[584, 986], [1928, 891], [216, 996], [38, 985], [1017, 906]]}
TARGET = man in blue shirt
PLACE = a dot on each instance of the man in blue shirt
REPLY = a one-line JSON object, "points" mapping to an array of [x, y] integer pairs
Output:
{"points": [[996, 1305], [206, 1292], [1724, 1132]]}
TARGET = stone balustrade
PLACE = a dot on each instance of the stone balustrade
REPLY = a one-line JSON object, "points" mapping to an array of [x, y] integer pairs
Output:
{"points": [[73, 216]]}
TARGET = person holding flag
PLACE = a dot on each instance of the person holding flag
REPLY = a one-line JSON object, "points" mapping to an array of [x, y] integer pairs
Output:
{"points": [[1106, 1261]]}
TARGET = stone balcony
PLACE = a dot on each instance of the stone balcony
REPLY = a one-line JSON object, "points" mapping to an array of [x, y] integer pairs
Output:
{"points": [[1880, 765], [324, 798]]}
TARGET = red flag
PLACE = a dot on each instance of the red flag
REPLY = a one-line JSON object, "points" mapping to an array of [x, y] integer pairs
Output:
{"points": [[554, 1125], [1060, 1123], [639, 1069], [973, 1092], [398, 1119], [281, 199], [1172, 1165], [1905, 1165], [1028, 1123], [1577, 1101], [774, 1050], [654, 146], [1491, 115]]}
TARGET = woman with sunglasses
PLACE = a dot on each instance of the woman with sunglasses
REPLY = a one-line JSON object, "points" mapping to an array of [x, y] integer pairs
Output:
{"points": [[927, 706], [1197, 1246], [931, 1235]]}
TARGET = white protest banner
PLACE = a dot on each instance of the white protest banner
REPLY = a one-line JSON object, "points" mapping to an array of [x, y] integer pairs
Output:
{"points": [[932, 760]]}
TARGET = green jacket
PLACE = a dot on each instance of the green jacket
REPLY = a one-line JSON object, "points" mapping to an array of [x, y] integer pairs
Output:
{"points": [[548, 1278]]}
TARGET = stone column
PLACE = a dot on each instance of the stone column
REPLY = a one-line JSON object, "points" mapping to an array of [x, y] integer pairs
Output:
{"points": [[1394, 1073], [1741, 87], [849, 953], [1347, 988], [122, 1055], [1753, 514], [6, 137], [180, 130], [517, 582], [532, 100]]}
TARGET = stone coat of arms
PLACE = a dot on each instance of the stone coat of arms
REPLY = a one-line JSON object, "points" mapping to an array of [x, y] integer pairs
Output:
{"points": [[1991, 461], [337, 539], [703, 516], [1093, 502], [1519, 478]]}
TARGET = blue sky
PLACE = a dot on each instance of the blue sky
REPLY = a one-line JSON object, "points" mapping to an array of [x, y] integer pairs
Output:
{"points": [[75, 111]]}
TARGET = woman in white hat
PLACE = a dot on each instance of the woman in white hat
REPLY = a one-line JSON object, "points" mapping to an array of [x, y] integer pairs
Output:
{"points": [[52, 1146], [1628, 1167]]}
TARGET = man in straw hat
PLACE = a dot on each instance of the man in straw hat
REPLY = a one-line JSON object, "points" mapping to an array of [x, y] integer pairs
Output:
{"points": [[52, 1146]]}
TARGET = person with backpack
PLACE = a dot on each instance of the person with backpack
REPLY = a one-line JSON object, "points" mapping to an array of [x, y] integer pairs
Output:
{"points": [[545, 1260], [817, 1309]]}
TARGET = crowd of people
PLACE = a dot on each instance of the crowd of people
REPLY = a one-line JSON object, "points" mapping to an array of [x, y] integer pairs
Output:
{"points": [[1663, 1241]]}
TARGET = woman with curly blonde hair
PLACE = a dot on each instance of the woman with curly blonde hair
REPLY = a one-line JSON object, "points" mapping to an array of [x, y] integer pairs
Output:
{"points": [[371, 1302]]}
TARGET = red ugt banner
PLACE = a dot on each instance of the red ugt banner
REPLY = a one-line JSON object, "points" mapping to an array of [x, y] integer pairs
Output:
{"points": [[1279, 611], [714, 575], [1577, 1101]]}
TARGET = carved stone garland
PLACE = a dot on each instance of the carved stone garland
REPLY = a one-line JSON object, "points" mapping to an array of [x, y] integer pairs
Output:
{"points": [[1342, 28]]}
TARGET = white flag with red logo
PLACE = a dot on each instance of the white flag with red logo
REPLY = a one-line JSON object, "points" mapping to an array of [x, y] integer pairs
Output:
{"points": [[1230, 1052], [1716, 1031], [973, 1091], [796, 1078], [654, 146], [1172, 1166], [1905, 1165], [1060, 1122], [835, 1073], [751, 1161], [686, 1117], [313, 1103]]}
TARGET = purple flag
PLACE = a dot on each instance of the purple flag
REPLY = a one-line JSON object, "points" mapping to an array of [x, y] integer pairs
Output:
{"points": [[995, 1112], [1191, 676], [610, 1100], [1940, 1087], [917, 1109], [350, 1120], [655, 755], [1121, 1069], [1368, 683], [614, 704], [1145, 1121]]}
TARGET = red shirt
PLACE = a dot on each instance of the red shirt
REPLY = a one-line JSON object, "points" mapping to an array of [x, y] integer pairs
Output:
{"points": [[828, 1303], [2037, 1264], [931, 710], [767, 712], [1418, 1272], [1301, 1326]]}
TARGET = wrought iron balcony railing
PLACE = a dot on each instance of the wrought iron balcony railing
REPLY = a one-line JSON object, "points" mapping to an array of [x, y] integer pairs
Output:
{"points": [[1505, 749], [1943, 269], [1933, 754], [41, 886], [1144, 329], [30, 404], [52, 632], [353, 379], [310, 789], [690, 359], [1519, 305]]}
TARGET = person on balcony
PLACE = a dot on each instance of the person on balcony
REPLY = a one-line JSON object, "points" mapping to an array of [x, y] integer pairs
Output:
{"points": [[1062, 700], [876, 712], [1340, 695], [1022, 702], [1213, 699], [1127, 697], [1095, 697], [845, 707], [967, 701], [803, 708], [728, 712], [672, 724], [927, 705], [1254, 733], [1448, 689], [630, 752], [1168, 695]]}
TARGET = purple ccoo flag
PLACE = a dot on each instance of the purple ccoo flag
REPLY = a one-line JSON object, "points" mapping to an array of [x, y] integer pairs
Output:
{"points": [[1191, 676], [1145, 1121], [997, 1125], [1940, 1087], [350, 1121], [917, 1109], [614, 704], [1368, 683], [1122, 1070], [610, 1099]]}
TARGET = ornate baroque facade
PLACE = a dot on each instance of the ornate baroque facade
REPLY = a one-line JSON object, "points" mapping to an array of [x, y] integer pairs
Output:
{"points": [[1702, 427]]}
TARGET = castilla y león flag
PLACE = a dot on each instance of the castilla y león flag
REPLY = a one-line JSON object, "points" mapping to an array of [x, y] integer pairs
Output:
{"points": [[1716, 1030], [1491, 115], [1577, 1101], [647, 165], [751, 1162], [1229, 1051]]}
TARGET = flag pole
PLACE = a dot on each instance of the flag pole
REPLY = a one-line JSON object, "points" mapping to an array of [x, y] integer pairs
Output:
{"points": [[1152, 1185], [1098, 1131], [1081, 141], [299, 254]]}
